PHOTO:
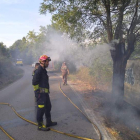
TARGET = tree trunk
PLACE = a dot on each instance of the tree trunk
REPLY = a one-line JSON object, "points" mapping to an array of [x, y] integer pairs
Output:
{"points": [[119, 65], [118, 78]]}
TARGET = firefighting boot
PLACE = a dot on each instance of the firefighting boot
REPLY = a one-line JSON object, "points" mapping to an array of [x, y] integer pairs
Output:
{"points": [[50, 123], [42, 127]]}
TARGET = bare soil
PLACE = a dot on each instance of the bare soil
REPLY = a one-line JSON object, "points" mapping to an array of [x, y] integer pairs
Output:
{"points": [[122, 123]]}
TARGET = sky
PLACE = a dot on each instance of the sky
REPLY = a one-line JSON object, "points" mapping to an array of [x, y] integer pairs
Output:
{"points": [[18, 17]]}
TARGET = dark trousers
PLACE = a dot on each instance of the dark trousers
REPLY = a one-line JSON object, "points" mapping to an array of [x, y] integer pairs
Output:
{"points": [[43, 106]]}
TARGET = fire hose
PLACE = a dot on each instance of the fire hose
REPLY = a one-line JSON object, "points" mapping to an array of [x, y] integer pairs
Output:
{"points": [[67, 134]]}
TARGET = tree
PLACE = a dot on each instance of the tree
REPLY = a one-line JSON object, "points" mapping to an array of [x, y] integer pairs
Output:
{"points": [[32, 46], [117, 21], [4, 52], [15, 49], [4, 58]]}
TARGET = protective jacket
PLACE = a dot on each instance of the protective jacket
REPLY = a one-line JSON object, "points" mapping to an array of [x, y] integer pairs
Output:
{"points": [[64, 70], [40, 80]]}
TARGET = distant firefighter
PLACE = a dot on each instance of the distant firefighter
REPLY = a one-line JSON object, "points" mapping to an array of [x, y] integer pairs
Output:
{"points": [[65, 72], [36, 67]]}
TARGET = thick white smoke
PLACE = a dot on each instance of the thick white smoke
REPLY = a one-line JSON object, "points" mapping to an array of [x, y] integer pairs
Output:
{"points": [[61, 47]]}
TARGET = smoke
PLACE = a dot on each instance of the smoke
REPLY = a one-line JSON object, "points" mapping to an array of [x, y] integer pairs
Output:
{"points": [[61, 48]]}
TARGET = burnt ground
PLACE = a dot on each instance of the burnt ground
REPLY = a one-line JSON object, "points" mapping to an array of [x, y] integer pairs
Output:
{"points": [[123, 122]]}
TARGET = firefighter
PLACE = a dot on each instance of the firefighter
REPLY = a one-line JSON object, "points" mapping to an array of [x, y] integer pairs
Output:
{"points": [[41, 87], [65, 72], [36, 67]]}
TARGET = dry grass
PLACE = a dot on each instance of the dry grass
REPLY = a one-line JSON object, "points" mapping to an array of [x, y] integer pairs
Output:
{"points": [[96, 98], [92, 81]]}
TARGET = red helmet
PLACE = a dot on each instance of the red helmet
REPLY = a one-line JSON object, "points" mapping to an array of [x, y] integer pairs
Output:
{"points": [[44, 58]]}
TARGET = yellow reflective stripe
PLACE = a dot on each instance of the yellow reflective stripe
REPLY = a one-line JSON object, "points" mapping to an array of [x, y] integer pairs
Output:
{"points": [[40, 106], [43, 126], [36, 87], [44, 89]]}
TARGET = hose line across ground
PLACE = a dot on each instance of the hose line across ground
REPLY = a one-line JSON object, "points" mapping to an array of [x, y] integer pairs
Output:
{"points": [[100, 135], [67, 134]]}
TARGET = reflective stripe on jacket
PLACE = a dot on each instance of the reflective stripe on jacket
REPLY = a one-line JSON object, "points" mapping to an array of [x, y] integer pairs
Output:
{"points": [[41, 80]]}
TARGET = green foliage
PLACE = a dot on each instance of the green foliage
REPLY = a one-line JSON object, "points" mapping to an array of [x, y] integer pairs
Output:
{"points": [[136, 53], [102, 72], [101, 20], [32, 46], [110, 21], [4, 52], [97, 17], [8, 72], [4, 58]]}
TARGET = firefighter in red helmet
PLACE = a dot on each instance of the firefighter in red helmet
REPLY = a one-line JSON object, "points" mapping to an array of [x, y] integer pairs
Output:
{"points": [[41, 87]]}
